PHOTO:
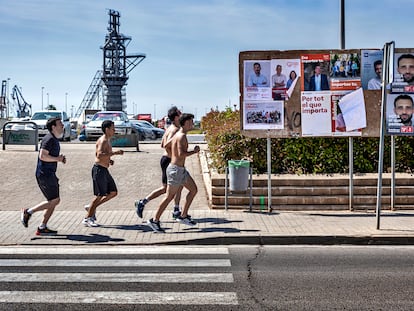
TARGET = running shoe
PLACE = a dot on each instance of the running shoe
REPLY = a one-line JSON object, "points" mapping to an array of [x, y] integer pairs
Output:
{"points": [[156, 226], [186, 220], [24, 217], [89, 222], [87, 210], [176, 214], [139, 205], [45, 231]]}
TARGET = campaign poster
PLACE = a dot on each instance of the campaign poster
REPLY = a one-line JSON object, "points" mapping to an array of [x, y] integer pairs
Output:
{"points": [[340, 118], [263, 115], [345, 71], [315, 72], [285, 74], [371, 69], [399, 114], [257, 80], [316, 113], [403, 73]]}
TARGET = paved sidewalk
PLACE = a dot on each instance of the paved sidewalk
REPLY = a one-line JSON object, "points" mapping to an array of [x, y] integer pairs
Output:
{"points": [[136, 174]]}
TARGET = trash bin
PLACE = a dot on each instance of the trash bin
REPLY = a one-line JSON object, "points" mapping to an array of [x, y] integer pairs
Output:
{"points": [[239, 175]]}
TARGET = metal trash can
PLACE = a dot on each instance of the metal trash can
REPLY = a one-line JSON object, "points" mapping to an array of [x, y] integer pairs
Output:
{"points": [[239, 175]]}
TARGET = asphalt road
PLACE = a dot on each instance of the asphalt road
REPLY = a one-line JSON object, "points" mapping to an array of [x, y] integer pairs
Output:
{"points": [[208, 278]]}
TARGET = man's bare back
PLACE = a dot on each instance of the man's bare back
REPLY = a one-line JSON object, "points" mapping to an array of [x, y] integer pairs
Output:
{"points": [[167, 139]]}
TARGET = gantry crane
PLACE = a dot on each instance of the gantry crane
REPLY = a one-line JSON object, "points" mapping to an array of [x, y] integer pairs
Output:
{"points": [[23, 108]]}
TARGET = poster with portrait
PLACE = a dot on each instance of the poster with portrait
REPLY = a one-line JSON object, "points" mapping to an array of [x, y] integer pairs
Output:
{"points": [[266, 115], [399, 113], [315, 72], [284, 75], [371, 69], [257, 81], [345, 71], [403, 73]]}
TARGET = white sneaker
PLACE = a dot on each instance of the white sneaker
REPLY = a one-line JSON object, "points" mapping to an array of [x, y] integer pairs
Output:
{"points": [[186, 220], [86, 207], [89, 222]]}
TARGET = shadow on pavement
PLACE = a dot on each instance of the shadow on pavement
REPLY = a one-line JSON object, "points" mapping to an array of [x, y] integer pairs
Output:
{"points": [[93, 238], [356, 214]]}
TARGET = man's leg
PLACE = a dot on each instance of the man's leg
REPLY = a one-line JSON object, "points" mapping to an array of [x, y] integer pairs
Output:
{"points": [[192, 191]]}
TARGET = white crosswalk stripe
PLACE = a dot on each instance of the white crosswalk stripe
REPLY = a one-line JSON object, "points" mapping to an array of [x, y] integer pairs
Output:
{"points": [[56, 265]]}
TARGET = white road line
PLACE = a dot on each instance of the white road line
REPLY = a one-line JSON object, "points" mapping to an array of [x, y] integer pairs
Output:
{"points": [[172, 298], [115, 262], [119, 277], [122, 250]]}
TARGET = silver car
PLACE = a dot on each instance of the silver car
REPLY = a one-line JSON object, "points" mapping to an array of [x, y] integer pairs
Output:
{"points": [[93, 129], [41, 117]]}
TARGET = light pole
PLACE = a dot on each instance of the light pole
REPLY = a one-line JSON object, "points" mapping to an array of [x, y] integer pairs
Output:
{"points": [[155, 115], [66, 102], [42, 95], [47, 94], [7, 102]]}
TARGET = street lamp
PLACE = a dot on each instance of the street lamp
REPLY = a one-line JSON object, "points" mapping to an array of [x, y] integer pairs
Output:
{"points": [[66, 102], [47, 94], [7, 102], [42, 95]]}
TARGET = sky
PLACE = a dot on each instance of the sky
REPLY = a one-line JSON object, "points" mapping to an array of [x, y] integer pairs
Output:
{"points": [[192, 47]]}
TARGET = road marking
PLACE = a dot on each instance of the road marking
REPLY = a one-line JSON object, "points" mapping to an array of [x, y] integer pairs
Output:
{"points": [[122, 250], [115, 262], [119, 277], [172, 298]]}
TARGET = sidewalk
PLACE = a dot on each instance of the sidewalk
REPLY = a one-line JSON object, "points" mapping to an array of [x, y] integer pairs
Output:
{"points": [[138, 173]]}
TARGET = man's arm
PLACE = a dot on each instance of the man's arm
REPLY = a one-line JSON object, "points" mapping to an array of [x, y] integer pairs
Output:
{"points": [[46, 157]]}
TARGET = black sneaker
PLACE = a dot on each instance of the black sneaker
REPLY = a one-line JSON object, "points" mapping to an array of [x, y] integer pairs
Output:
{"points": [[156, 226], [176, 214], [139, 205], [24, 217], [45, 231]]}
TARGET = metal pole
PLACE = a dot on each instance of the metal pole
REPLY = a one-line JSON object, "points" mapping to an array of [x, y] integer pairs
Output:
{"points": [[388, 52], [392, 185], [350, 139], [269, 174], [42, 95], [7, 102], [66, 102]]}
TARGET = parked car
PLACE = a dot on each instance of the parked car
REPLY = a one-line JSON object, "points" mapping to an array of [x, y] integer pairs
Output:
{"points": [[157, 131], [93, 129], [41, 117], [144, 133]]}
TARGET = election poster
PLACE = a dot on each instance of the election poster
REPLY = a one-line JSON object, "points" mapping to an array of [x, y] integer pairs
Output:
{"points": [[403, 73], [399, 114], [371, 69], [345, 71], [316, 113], [257, 81], [285, 74], [315, 72], [266, 115]]}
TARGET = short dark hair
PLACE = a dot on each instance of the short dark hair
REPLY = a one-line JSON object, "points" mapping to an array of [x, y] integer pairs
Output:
{"points": [[173, 112], [184, 117], [51, 122], [377, 62], [106, 125], [403, 96], [411, 56]]}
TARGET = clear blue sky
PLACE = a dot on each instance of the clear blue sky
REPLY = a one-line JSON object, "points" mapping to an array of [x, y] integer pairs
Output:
{"points": [[192, 46]]}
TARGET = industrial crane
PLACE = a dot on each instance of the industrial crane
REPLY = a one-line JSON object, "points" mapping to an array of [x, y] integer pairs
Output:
{"points": [[23, 108]]}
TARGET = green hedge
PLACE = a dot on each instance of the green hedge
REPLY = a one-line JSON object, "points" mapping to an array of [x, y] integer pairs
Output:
{"points": [[299, 155]]}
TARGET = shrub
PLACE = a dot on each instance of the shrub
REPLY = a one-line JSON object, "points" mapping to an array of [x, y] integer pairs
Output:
{"points": [[299, 155]]}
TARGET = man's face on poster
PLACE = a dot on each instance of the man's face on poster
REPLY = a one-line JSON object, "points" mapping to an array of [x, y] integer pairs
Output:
{"points": [[378, 70], [257, 69], [406, 69], [404, 109]]}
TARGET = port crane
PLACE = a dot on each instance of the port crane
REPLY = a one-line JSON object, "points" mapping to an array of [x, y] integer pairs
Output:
{"points": [[23, 108]]}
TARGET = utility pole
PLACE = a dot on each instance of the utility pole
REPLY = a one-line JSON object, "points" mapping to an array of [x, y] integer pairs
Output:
{"points": [[42, 95], [66, 102]]}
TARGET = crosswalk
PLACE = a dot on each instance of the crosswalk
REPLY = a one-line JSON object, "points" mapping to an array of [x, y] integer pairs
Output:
{"points": [[118, 275]]}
